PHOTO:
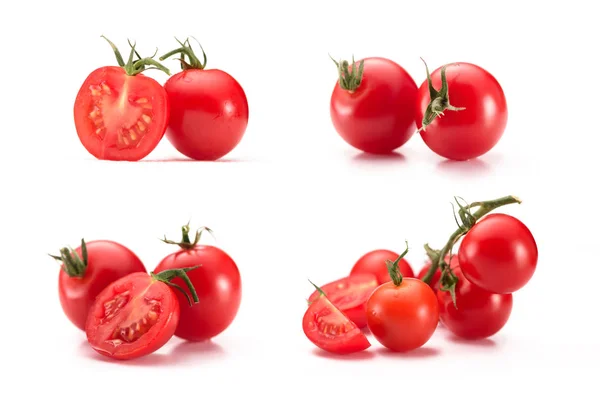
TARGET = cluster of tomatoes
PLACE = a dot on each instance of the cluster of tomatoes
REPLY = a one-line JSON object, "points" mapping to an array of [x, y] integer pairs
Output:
{"points": [[127, 312], [122, 114], [377, 107], [470, 292]]}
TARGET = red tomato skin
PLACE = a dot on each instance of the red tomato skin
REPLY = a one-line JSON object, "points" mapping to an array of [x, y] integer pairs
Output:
{"points": [[133, 87], [472, 132], [373, 262], [351, 341], [209, 113], [142, 284], [379, 116], [107, 262], [478, 314], [498, 254], [218, 285], [403, 318]]}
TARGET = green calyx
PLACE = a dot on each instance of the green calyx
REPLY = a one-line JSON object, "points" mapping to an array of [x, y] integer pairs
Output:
{"points": [[72, 264], [167, 275], [185, 242], [394, 269], [439, 100], [350, 77], [138, 65], [184, 51]]}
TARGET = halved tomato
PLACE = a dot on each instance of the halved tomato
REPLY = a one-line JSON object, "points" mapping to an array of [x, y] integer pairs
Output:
{"points": [[350, 295]]}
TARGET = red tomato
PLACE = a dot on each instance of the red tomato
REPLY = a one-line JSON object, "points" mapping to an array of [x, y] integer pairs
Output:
{"points": [[119, 113], [478, 313], [350, 296], [373, 262], [331, 330], [217, 282], [87, 270], [403, 317], [132, 317], [374, 111], [462, 134], [437, 275], [498, 254], [209, 109]]}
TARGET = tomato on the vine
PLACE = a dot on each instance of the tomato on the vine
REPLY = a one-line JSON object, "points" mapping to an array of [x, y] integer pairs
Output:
{"points": [[330, 329], [121, 114], [498, 254], [374, 262], [209, 108], [434, 283], [373, 103], [87, 270], [135, 315], [217, 282], [349, 295], [465, 116]]}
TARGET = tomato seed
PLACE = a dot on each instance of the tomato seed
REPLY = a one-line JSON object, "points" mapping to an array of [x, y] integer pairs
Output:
{"points": [[146, 118]]}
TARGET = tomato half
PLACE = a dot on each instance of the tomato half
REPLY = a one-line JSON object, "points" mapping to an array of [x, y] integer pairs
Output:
{"points": [[476, 128], [375, 111], [350, 295], [374, 262], [331, 330], [87, 270], [132, 317], [498, 254], [403, 317]]}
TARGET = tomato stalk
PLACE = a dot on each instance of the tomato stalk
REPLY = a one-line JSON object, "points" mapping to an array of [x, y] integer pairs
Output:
{"points": [[185, 242], [394, 268], [167, 275], [468, 220], [350, 79], [72, 264], [186, 50], [134, 67]]}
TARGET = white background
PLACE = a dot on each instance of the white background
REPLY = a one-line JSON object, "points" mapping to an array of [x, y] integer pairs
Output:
{"points": [[293, 201]]}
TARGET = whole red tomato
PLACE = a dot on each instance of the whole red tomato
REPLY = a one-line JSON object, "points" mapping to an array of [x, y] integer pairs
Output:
{"points": [[209, 109], [87, 270], [498, 254], [372, 106], [217, 282], [461, 112], [374, 262], [119, 113], [478, 313]]}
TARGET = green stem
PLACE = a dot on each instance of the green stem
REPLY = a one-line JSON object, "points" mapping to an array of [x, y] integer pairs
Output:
{"points": [[167, 275], [394, 268], [72, 264], [134, 67], [186, 243], [186, 50], [349, 79]]}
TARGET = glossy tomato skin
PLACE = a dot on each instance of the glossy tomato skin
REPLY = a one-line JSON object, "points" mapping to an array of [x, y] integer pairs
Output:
{"points": [[472, 132], [120, 117], [478, 313], [219, 288], [132, 317], [331, 330], [403, 318], [373, 262], [498, 254], [350, 295], [378, 117], [107, 262], [209, 113]]}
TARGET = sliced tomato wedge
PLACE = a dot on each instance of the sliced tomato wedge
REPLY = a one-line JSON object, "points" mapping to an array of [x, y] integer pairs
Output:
{"points": [[350, 295], [331, 330]]}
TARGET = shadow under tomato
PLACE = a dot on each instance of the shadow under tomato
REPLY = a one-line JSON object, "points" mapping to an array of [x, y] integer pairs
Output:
{"points": [[421, 352], [185, 159], [472, 167], [487, 342], [389, 158], [361, 355]]}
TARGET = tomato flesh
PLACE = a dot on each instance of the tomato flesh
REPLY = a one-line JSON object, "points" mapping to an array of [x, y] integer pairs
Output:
{"points": [[120, 117], [374, 262], [331, 330], [133, 317], [350, 295]]}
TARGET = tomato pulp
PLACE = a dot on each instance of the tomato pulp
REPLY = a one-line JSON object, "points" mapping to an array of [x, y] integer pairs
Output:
{"points": [[375, 112], [374, 262]]}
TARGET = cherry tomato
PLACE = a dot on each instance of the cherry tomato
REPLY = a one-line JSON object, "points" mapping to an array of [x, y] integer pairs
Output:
{"points": [[478, 313], [87, 270], [209, 110], [373, 262], [133, 316], [121, 114], [474, 112], [498, 254], [350, 295], [374, 111], [434, 283], [330, 329], [403, 317], [217, 282]]}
